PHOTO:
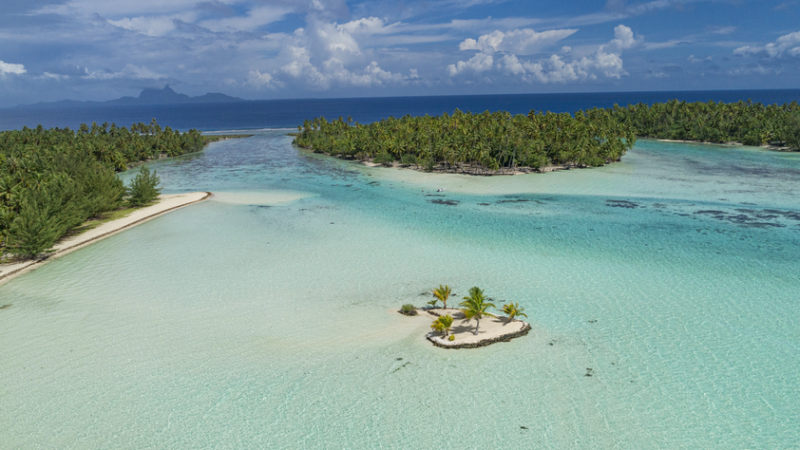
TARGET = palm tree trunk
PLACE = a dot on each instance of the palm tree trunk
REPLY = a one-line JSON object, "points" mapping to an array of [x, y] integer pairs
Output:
{"points": [[477, 326]]}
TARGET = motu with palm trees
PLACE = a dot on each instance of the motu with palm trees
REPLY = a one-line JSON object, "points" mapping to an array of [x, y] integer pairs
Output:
{"points": [[453, 327], [486, 143], [501, 143]]}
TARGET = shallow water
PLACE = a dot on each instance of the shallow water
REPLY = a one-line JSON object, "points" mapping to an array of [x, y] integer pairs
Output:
{"points": [[263, 319]]}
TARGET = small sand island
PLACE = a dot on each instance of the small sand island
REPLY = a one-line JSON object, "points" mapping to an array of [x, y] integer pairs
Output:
{"points": [[471, 326]]}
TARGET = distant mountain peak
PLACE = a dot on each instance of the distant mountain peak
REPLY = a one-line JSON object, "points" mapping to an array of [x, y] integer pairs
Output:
{"points": [[148, 96]]}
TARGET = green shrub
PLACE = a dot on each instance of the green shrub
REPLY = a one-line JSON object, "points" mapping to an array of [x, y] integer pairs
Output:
{"points": [[408, 159], [409, 309], [143, 188], [452, 337], [427, 163], [383, 158]]}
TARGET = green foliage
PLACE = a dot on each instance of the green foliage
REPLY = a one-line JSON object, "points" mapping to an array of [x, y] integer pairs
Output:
{"points": [[409, 309], [408, 159], [443, 324], [588, 138], [475, 306], [791, 132], [452, 337], [466, 140], [383, 158], [513, 310], [37, 227], [442, 293], [58, 178], [433, 302], [746, 122], [143, 188]]}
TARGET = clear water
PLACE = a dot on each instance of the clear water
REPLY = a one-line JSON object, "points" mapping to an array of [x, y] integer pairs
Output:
{"points": [[263, 318]]}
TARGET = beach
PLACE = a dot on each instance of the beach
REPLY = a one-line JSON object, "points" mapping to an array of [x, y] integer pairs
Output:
{"points": [[165, 204]]}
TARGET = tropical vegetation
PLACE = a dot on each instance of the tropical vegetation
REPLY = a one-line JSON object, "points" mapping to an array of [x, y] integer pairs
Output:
{"points": [[473, 142], [475, 306], [512, 310], [53, 180], [443, 324], [742, 122], [487, 142], [408, 309], [442, 293]]}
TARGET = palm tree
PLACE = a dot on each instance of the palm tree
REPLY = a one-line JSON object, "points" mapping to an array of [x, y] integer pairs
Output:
{"points": [[475, 306], [442, 293], [443, 324], [447, 322], [513, 310]]}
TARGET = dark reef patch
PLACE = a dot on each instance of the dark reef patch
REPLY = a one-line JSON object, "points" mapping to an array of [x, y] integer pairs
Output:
{"points": [[622, 204], [445, 202]]}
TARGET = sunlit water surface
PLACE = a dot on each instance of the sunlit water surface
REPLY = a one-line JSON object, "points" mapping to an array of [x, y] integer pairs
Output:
{"points": [[263, 318]]}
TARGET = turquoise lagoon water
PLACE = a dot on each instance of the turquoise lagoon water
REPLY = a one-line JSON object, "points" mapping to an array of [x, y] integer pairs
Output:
{"points": [[264, 317]]}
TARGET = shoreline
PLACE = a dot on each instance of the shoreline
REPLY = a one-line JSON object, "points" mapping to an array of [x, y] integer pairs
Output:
{"points": [[464, 169], [492, 330], [726, 144], [167, 203]]}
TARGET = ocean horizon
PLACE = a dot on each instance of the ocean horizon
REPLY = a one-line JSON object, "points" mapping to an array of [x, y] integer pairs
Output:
{"points": [[257, 114]]}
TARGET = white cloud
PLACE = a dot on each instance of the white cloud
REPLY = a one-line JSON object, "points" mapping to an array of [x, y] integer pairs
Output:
{"points": [[150, 26], [257, 79], [789, 43], [367, 26], [605, 61], [521, 42], [723, 30], [14, 69], [478, 63], [53, 76], [660, 45]]}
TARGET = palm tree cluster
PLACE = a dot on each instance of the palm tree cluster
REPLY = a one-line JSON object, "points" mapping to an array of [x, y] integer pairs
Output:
{"points": [[466, 141], [744, 122], [53, 180]]}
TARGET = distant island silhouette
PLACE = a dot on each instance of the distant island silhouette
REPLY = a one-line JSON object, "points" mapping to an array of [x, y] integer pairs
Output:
{"points": [[149, 96]]}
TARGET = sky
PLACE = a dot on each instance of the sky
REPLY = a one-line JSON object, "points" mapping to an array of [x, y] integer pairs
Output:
{"points": [[268, 49]]}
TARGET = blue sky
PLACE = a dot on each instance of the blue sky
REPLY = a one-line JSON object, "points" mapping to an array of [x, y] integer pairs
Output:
{"points": [[261, 49]]}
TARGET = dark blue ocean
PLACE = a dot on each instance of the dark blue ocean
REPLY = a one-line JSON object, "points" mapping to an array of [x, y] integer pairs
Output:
{"points": [[290, 113]]}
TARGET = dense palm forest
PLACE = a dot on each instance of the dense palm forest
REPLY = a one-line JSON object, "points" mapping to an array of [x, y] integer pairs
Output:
{"points": [[743, 122], [488, 142], [475, 142], [53, 180]]}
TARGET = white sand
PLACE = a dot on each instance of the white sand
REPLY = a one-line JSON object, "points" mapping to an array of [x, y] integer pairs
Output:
{"points": [[491, 327], [165, 204]]}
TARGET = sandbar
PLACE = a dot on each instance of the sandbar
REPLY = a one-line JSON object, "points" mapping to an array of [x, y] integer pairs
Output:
{"points": [[492, 329], [166, 203]]}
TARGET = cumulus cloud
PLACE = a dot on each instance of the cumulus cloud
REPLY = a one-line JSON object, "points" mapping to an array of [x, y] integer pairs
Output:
{"points": [[623, 39], [606, 61], [786, 44], [478, 63], [521, 42], [257, 79], [14, 69]]}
